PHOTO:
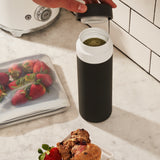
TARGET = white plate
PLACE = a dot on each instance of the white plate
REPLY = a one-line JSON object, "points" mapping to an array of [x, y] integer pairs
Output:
{"points": [[106, 155], [53, 102]]}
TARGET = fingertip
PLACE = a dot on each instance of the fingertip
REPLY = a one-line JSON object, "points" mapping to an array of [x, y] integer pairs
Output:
{"points": [[81, 8], [114, 6], [34, 1]]}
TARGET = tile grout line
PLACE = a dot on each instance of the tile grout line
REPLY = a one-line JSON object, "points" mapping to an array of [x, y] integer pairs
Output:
{"points": [[150, 61], [140, 14], [137, 64], [129, 26], [154, 14], [134, 37]]}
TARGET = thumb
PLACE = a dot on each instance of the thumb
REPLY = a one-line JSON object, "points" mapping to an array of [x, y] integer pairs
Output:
{"points": [[74, 6]]}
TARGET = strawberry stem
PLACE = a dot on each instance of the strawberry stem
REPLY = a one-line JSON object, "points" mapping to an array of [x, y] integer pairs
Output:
{"points": [[42, 156]]}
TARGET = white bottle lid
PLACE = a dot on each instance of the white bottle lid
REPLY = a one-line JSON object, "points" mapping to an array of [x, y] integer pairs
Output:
{"points": [[94, 54]]}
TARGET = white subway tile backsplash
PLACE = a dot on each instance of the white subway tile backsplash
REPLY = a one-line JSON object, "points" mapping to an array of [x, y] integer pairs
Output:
{"points": [[121, 15], [130, 46], [155, 66], [135, 31], [157, 14], [145, 32], [144, 7]]}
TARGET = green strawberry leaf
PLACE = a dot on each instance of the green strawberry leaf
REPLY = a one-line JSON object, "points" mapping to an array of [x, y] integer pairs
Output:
{"points": [[45, 71], [22, 92], [1, 98], [27, 63], [7, 72], [47, 90], [38, 81], [41, 69], [45, 147], [18, 82], [14, 87], [27, 90], [40, 151], [42, 156], [1, 87]]}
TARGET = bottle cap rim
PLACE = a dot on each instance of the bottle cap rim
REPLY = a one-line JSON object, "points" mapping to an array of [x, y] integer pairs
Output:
{"points": [[96, 9]]}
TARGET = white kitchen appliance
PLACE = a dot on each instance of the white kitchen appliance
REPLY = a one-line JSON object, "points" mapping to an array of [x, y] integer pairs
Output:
{"points": [[24, 16]]}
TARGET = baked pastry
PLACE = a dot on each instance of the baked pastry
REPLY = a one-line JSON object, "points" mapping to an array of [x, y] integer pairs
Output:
{"points": [[77, 146], [80, 136], [86, 152]]}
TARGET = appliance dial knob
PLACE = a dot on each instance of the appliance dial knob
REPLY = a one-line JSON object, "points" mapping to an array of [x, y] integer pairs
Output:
{"points": [[43, 13]]}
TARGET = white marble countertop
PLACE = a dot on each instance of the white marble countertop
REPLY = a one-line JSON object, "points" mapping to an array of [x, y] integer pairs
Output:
{"points": [[133, 130]]}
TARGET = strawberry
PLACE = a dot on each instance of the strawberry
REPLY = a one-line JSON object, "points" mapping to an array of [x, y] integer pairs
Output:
{"points": [[40, 67], [15, 71], [52, 153], [36, 90], [28, 65], [45, 79], [14, 84], [17, 83], [21, 81], [2, 92], [19, 97], [4, 78]]}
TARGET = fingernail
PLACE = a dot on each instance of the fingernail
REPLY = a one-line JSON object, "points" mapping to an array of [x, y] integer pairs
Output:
{"points": [[114, 6], [82, 8]]}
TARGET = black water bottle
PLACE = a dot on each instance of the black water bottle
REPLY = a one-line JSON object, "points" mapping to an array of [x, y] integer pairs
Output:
{"points": [[94, 68]]}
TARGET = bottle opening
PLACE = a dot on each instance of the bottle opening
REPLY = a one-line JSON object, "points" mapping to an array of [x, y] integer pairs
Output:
{"points": [[94, 37], [94, 42]]}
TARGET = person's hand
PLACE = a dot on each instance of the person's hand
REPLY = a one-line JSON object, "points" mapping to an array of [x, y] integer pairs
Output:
{"points": [[71, 5], [110, 2]]}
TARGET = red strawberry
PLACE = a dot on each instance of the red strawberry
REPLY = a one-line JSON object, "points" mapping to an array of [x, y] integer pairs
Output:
{"points": [[22, 81], [53, 155], [40, 67], [46, 79], [36, 90], [28, 65], [13, 85], [19, 98], [15, 71], [17, 83], [4, 78], [2, 92]]}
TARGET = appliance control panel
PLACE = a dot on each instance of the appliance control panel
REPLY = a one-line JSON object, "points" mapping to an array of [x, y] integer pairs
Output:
{"points": [[42, 13]]}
